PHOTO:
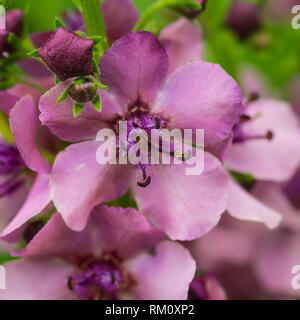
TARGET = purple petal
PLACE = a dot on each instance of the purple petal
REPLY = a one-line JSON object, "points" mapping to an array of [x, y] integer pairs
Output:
{"points": [[183, 43], [134, 68], [206, 287], [30, 279], [201, 95], [275, 261], [124, 231], [264, 159], [165, 274], [68, 55], [71, 243], [14, 21], [7, 101], [244, 206], [24, 123], [184, 207], [59, 118], [38, 198], [78, 183], [121, 21], [273, 196]]}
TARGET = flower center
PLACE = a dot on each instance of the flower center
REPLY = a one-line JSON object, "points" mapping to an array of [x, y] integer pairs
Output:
{"points": [[140, 119], [11, 166], [239, 136], [97, 281]]}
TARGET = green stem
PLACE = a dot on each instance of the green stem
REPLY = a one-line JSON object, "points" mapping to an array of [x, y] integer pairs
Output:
{"points": [[93, 18], [145, 17]]}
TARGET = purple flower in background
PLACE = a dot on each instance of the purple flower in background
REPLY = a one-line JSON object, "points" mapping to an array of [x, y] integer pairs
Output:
{"points": [[23, 113], [243, 18], [68, 55], [14, 24], [197, 95], [11, 167], [264, 138], [206, 287], [117, 256]]}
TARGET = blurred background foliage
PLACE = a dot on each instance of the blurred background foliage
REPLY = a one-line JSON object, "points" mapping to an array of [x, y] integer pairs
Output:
{"points": [[274, 49]]}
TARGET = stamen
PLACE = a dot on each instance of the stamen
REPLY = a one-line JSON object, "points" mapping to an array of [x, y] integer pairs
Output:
{"points": [[157, 123], [268, 136], [71, 283], [244, 118], [146, 179], [253, 96], [135, 125]]}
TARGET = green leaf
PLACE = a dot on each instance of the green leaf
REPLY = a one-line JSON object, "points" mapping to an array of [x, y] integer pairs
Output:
{"points": [[242, 177], [64, 95], [97, 103], [96, 39], [100, 85], [34, 53], [77, 108], [15, 41], [81, 34], [96, 67], [58, 23], [57, 81]]}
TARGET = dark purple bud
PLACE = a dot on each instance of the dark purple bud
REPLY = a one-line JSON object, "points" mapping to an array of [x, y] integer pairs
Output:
{"points": [[83, 92], [244, 19], [14, 21], [68, 55]]}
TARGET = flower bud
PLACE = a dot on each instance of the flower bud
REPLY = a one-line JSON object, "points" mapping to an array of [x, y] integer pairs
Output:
{"points": [[68, 55], [244, 19], [83, 92]]}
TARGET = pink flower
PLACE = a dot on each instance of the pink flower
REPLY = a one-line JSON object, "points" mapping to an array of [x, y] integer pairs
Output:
{"points": [[197, 95], [117, 256], [206, 287], [14, 24], [21, 115]]}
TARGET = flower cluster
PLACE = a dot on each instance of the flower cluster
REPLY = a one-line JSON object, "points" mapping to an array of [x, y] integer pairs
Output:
{"points": [[92, 230]]}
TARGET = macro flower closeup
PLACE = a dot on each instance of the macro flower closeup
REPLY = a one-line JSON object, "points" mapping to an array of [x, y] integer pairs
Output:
{"points": [[149, 150]]}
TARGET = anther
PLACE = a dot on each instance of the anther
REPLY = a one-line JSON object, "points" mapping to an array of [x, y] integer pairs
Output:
{"points": [[157, 123], [146, 179], [135, 125], [244, 118], [270, 135], [71, 283], [253, 96], [144, 183]]}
